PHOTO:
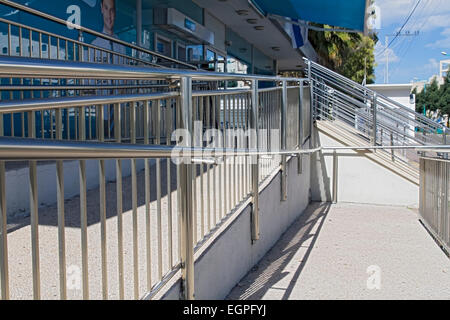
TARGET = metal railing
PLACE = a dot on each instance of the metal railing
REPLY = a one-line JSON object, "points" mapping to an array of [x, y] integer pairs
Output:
{"points": [[164, 212], [369, 115], [45, 44], [156, 219], [435, 198]]}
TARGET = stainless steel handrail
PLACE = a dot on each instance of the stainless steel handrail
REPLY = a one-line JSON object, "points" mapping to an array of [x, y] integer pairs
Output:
{"points": [[360, 87], [40, 68], [35, 149], [92, 32], [68, 102]]}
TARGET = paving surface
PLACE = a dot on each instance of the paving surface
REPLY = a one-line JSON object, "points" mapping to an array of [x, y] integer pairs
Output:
{"points": [[348, 251], [208, 214]]}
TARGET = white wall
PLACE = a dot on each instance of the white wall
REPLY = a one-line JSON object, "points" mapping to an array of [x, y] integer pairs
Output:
{"points": [[231, 256], [398, 93]]}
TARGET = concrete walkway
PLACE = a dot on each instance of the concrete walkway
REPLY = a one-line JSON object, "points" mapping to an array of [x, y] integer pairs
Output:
{"points": [[348, 251]]}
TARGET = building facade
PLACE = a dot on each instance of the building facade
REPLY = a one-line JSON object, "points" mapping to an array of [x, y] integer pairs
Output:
{"points": [[214, 35]]}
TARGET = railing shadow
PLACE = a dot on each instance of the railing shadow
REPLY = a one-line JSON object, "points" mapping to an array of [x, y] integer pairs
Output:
{"points": [[303, 234], [320, 172], [48, 216]]}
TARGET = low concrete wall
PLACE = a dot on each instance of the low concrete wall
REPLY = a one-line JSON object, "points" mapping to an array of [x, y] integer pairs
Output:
{"points": [[360, 179], [17, 182], [232, 255]]}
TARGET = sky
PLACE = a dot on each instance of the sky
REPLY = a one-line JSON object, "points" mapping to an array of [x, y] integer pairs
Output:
{"points": [[412, 58]]}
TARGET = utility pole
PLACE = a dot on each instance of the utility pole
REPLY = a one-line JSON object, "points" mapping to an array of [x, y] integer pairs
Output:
{"points": [[398, 34]]}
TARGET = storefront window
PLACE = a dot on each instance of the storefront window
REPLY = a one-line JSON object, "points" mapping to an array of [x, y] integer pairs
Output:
{"points": [[236, 66], [195, 52], [220, 64], [211, 56]]}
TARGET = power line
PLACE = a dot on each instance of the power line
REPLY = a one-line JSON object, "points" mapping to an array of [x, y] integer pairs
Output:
{"points": [[425, 19], [401, 29]]}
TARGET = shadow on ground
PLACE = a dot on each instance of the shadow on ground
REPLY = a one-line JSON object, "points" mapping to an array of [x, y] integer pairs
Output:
{"points": [[270, 270], [48, 216]]}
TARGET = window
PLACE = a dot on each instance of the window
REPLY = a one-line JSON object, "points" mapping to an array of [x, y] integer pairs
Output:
{"points": [[181, 52], [220, 63], [195, 52], [211, 56], [163, 46]]}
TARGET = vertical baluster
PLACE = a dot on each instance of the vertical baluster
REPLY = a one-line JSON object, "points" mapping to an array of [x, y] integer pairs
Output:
{"points": [[30, 43], [255, 162], [4, 268], [61, 215], [214, 173], [90, 122], [119, 201], [20, 41], [157, 134], [225, 144], [212, 220], [34, 212], [83, 213], [42, 124], [219, 144], [247, 143], [102, 184], [169, 130], [179, 204], [76, 115], [284, 140], [230, 145], [10, 52], [134, 203], [236, 145], [147, 128], [195, 103], [202, 182], [187, 223], [300, 128]]}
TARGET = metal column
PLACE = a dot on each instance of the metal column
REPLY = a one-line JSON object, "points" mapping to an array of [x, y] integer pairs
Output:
{"points": [[300, 129], [254, 143], [186, 180], [284, 102], [375, 125]]}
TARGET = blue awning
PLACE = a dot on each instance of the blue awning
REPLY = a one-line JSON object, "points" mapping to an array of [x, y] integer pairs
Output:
{"points": [[349, 14]]}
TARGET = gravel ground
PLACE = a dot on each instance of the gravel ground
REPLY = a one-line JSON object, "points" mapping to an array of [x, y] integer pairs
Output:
{"points": [[348, 251], [19, 238]]}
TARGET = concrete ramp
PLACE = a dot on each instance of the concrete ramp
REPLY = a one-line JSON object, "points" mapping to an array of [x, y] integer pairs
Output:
{"points": [[362, 176], [349, 251]]}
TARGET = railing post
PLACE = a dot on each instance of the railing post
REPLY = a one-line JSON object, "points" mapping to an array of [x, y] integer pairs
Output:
{"points": [[392, 144], [284, 102], [300, 129], [335, 177], [4, 272], [311, 105], [255, 161], [187, 223], [375, 125], [422, 186], [444, 138]]}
